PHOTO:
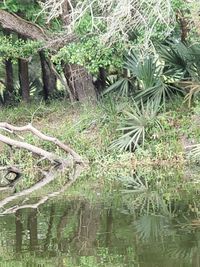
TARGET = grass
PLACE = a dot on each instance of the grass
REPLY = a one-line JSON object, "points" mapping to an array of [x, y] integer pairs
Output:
{"points": [[91, 130]]}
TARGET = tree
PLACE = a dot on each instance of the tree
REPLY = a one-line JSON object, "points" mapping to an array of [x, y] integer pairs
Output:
{"points": [[48, 76], [87, 38]]}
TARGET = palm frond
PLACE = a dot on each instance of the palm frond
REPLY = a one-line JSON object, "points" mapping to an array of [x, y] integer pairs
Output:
{"points": [[144, 69], [123, 86], [135, 124], [158, 93], [175, 56], [134, 184], [194, 89]]}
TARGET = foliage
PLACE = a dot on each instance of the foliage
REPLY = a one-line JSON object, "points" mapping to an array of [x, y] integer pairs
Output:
{"points": [[2, 89], [13, 48], [136, 125], [28, 8], [193, 88], [119, 19], [92, 54], [149, 79], [124, 86]]}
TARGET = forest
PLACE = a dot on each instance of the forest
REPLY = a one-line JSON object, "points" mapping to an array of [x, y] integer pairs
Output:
{"points": [[99, 133]]}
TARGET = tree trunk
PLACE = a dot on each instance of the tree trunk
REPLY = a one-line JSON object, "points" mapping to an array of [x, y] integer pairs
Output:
{"points": [[48, 76], [80, 83], [24, 80], [100, 83], [9, 80], [183, 21], [79, 80]]}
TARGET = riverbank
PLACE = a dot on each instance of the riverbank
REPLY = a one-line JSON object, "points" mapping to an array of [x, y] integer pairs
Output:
{"points": [[90, 131]]}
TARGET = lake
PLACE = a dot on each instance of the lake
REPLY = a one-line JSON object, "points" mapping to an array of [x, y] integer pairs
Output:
{"points": [[122, 230]]}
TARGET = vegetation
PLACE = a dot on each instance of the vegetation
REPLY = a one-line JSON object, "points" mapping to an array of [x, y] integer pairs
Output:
{"points": [[113, 89], [136, 76]]}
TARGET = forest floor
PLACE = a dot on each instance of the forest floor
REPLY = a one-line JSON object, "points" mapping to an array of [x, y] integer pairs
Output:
{"points": [[90, 132]]}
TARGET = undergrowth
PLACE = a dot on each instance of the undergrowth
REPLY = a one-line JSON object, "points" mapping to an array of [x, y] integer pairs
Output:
{"points": [[91, 131]]}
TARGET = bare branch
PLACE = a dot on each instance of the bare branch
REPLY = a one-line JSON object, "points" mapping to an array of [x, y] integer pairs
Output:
{"points": [[34, 149], [119, 16]]}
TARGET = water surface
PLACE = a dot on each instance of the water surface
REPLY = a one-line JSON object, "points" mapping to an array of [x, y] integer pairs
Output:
{"points": [[115, 233]]}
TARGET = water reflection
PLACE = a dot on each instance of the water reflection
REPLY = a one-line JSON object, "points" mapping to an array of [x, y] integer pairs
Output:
{"points": [[79, 233]]}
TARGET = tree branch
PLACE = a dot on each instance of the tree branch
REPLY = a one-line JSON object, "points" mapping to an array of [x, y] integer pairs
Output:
{"points": [[39, 151], [32, 31], [17, 24]]}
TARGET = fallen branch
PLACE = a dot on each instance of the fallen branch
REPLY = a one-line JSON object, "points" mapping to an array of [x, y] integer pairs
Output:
{"points": [[34, 149], [61, 164], [44, 137]]}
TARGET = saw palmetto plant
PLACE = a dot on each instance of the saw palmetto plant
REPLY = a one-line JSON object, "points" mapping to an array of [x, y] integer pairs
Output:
{"points": [[148, 79], [135, 125]]}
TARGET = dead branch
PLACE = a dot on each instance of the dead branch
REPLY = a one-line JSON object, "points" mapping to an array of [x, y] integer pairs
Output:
{"points": [[119, 16], [34, 149], [44, 137], [76, 165]]}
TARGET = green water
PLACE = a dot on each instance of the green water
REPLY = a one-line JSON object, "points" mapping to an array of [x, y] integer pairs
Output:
{"points": [[114, 232]]}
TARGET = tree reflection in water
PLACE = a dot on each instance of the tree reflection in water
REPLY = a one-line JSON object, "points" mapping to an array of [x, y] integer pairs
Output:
{"points": [[79, 233]]}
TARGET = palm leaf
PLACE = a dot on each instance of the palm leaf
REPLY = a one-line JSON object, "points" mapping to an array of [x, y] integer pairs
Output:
{"points": [[135, 124], [194, 89], [123, 87]]}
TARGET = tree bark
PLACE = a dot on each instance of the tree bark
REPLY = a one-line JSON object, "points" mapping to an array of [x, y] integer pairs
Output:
{"points": [[24, 79], [183, 21], [32, 31], [80, 83], [9, 81], [17, 24], [48, 76], [79, 80]]}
